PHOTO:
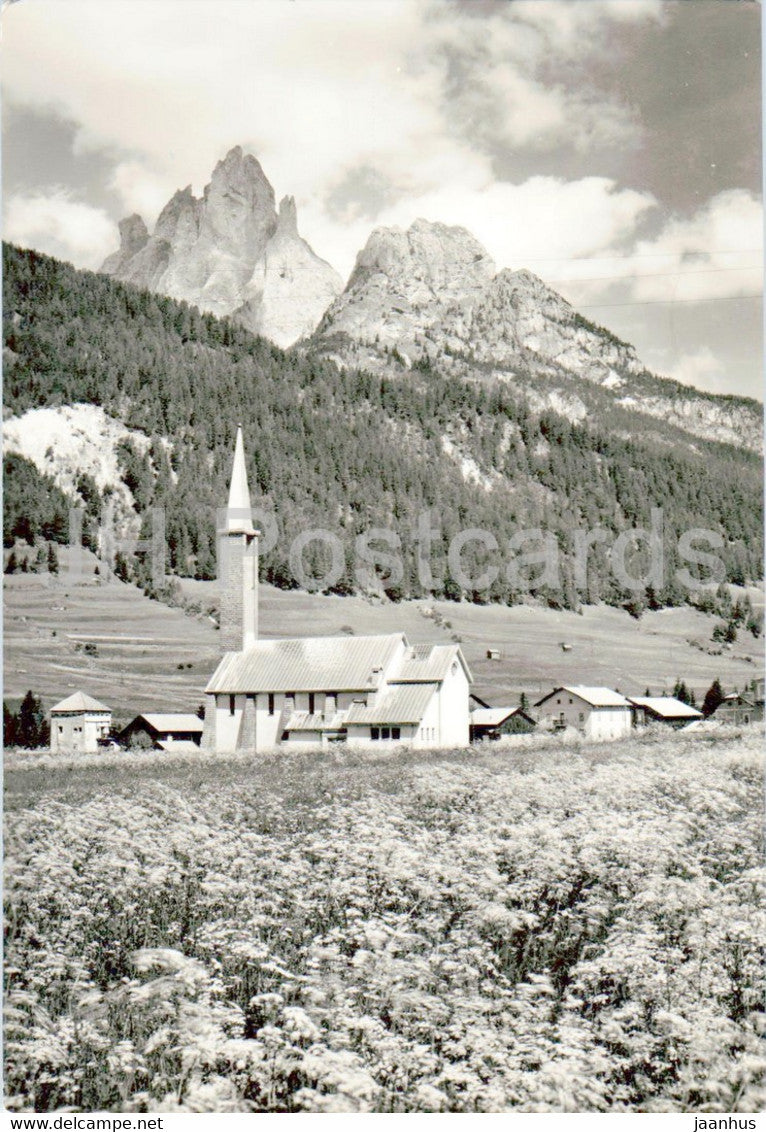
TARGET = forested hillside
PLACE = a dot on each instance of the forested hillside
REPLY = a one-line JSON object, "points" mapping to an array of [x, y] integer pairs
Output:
{"points": [[344, 450]]}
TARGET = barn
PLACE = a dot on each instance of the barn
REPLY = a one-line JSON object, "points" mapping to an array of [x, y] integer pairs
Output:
{"points": [[662, 709], [495, 722], [162, 730]]}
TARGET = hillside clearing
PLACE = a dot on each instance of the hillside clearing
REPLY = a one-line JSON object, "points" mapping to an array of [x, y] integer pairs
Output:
{"points": [[151, 657]]}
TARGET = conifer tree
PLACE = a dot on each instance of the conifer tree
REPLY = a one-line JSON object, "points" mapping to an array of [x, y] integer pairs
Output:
{"points": [[31, 725], [9, 727], [713, 697]]}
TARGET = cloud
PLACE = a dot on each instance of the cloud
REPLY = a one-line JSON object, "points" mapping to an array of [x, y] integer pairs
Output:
{"points": [[140, 189], [703, 370], [415, 92], [714, 254], [61, 227], [521, 77]]}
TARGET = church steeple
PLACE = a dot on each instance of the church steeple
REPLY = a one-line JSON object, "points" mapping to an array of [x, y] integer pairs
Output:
{"points": [[239, 515], [238, 561]]}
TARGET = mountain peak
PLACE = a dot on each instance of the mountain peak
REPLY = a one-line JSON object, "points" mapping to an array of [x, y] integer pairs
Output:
{"points": [[230, 253], [288, 216]]}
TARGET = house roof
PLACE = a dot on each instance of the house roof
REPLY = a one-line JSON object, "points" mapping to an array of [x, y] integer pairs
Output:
{"points": [[80, 701], [402, 703], [426, 663], [492, 716], [172, 721], [737, 698], [307, 664], [668, 707], [595, 696]]}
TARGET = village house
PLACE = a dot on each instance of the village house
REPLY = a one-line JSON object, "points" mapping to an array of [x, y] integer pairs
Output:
{"points": [[77, 724], [495, 722], [662, 709], [164, 731], [599, 713], [739, 708], [314, 691]]}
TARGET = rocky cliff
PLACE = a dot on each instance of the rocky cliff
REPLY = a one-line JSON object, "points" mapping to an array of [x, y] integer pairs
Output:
{"points": [[231, 253], [432, 294]]}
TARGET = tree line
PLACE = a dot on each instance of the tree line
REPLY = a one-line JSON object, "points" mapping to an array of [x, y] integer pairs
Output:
{"points": [[343, 449]]}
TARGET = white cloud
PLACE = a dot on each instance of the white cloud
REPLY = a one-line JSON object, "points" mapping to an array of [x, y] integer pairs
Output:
{"points": [[316, 90], [715, 254], [703, 370], [140, 188], [67, 229]]}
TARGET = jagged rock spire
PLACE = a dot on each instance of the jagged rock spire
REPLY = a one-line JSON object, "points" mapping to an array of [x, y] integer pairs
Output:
{"points": [[239, 515]]}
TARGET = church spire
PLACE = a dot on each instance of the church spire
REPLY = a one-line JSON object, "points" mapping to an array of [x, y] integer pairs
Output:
{"points": [[239, 516]]}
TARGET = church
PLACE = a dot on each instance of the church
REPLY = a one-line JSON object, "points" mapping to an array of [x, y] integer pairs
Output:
{"points": [[376, 691]]}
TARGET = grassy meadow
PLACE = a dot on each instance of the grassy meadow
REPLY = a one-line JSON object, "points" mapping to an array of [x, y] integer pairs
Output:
{"points": [[134, 654], [541, 927]]}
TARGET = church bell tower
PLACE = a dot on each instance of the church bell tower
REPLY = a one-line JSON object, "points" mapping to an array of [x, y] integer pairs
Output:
{"points": [[238, 561]]}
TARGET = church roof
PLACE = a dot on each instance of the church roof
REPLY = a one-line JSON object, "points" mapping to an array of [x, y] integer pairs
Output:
{"points": [[426, 663], [402, 703], [314, 721], [80, 701], [307, 664], [239, 516]]}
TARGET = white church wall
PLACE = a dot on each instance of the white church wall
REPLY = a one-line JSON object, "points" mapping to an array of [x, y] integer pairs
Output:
{"points": [[454, 710], [227, 723]]}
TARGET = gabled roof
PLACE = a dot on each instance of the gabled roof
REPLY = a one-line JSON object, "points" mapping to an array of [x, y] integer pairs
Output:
{"points": [[493, 716], [426, 663], [307, 664], [737, 698], [668, 707], [172, 721], [402, 703], [80, 701], [595, 696]]}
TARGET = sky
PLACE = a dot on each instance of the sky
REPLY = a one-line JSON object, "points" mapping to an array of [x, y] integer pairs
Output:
{"points": [[613, 147]]}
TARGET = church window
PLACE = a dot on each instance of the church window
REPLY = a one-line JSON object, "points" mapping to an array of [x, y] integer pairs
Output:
{"points": [[375, 733], [232, 702], [385, 733], [396, 733], [311, 703], [271, 703]]}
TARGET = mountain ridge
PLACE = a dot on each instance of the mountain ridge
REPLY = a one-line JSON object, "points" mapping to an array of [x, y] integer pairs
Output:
{"points": [[397, 311]]}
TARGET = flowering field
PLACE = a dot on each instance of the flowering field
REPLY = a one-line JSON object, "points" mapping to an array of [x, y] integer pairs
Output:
{"points": [[546, 929]]}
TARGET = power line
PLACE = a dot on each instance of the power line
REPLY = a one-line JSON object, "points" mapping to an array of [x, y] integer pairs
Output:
{"points": [[668, 302], [649, 275], [619, 258]]}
